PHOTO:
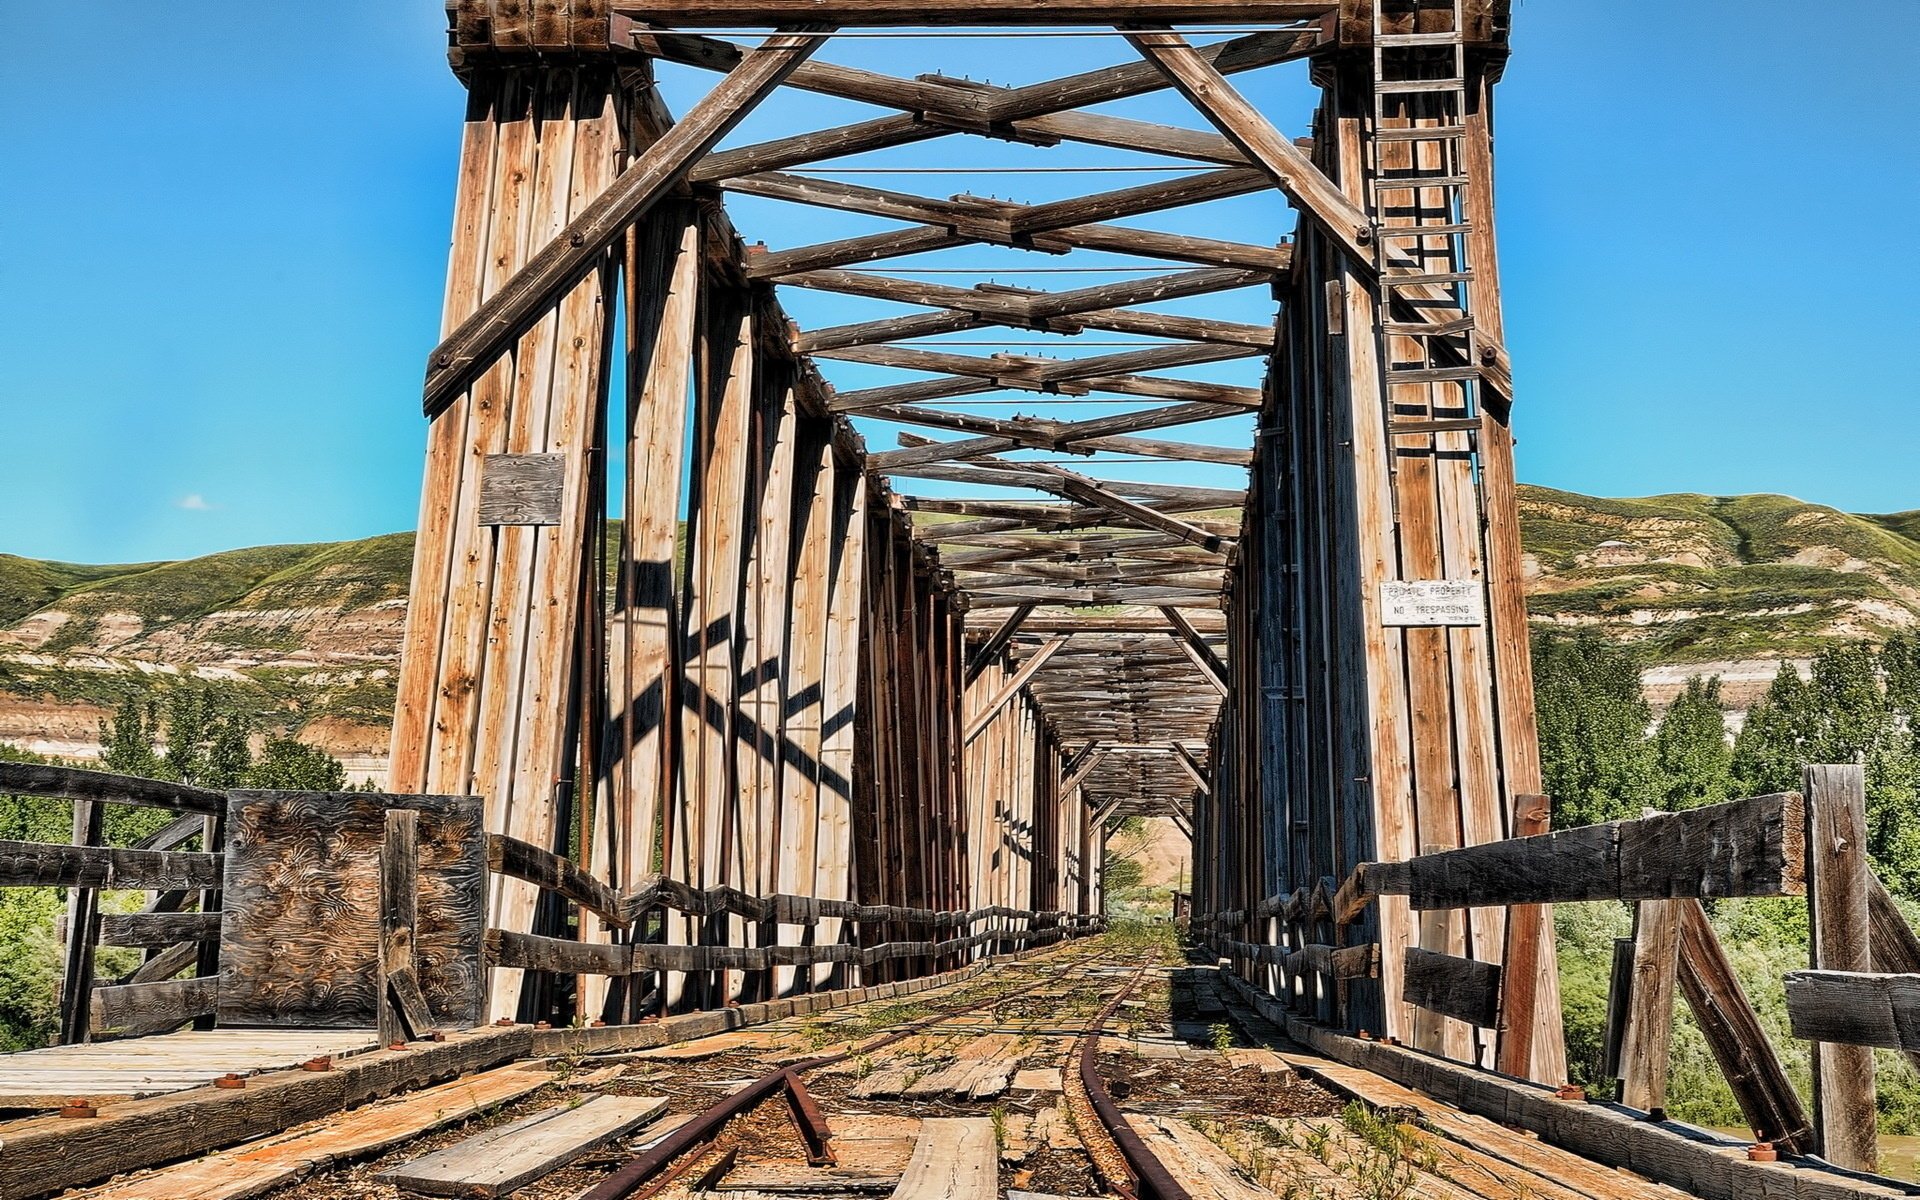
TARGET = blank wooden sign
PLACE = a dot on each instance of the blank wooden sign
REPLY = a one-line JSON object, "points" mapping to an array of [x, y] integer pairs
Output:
{"points": [[522, 489]]}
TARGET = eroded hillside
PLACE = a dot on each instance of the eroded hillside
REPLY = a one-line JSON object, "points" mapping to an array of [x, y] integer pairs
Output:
{"points": [[1701, 584]]}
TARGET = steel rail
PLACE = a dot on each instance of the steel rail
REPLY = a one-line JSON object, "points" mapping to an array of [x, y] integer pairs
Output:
{"points": [[626, 1181]]}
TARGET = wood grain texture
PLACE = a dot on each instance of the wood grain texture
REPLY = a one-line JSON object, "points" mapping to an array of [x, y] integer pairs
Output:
{"points": [[1838, 878], [139, 1009], [522, 489], [1454, 987], [508, 1157], [301, 932], [38, 864], [72, 783]]}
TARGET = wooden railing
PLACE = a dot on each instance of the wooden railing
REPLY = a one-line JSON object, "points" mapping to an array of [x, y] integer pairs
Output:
{"points": [[625, 914], [1863, 990], [149, 999]]}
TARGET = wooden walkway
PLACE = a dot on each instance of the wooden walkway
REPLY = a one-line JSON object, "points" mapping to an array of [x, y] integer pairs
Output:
{"points": [[152, 1066]]}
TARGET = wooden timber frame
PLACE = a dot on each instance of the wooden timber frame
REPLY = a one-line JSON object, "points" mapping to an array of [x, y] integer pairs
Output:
{"points": [[806, 679]]}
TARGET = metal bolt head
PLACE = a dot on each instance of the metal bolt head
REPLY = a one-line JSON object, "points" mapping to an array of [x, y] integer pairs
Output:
{"points": [[230, 1080], [78, 1108], [320, 1062]]}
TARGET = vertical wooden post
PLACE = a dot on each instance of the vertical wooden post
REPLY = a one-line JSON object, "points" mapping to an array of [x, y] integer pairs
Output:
{"points": [[1647, 1041], [1838, 879], [1530, 978], [83, 921], [399, 901]]}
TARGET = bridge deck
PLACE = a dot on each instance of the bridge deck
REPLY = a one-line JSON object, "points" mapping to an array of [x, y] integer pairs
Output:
{"points": [[1218, 1094], [153, 1066]]}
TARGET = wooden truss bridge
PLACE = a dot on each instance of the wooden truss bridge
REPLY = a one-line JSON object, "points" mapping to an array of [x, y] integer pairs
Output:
{"points": [[844, 706]]}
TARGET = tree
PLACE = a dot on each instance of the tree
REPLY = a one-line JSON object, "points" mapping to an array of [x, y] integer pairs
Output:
{"points": [[1691, 747], [293, 766], [1853, 707], [1596, 758], [127, 738]]}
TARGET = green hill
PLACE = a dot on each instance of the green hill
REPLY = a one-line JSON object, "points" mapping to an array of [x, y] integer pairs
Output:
{"points": [[312, 633]]}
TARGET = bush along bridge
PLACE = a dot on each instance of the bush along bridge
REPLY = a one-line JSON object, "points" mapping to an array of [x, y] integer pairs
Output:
{"points": [[753, 845]]}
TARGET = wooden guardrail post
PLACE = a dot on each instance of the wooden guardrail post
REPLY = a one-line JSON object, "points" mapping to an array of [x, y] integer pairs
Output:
{"points": [[1838, 881], [1646, 1047], [83, 913]]}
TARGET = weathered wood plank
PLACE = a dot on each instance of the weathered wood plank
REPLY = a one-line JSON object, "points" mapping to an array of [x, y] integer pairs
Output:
{"points": [[157, 929], [275, 1162], [72, 783], [138, 1009], [1646, 1047], [1453, 987], [1855, 1008], [569, 257], [955, 1159], [508, 1157], [1753, 847], [39, 864], [1838, 876]]}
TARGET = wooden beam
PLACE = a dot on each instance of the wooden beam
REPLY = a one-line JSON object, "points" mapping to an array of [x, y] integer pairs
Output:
{"points": [[1210, 664], [479, 340], [72, 783], [399, 909], [1837, 883], [984, 654], [1086, 767], [1753, 847], [1646, 1047], [1737, 1039], [1291, 171], [1460, 988], [1012, 686], [1528, 953], [728, 14], [40, 864], [1855, 1008]]}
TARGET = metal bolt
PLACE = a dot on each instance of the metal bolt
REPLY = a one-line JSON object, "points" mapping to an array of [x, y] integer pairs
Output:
{"points": [[78, 1108], [1762, 1152], [229, 1080], [321, 1062]]}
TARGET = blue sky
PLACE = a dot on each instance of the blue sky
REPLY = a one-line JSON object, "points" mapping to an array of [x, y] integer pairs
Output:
{"points": [[222, 244]]}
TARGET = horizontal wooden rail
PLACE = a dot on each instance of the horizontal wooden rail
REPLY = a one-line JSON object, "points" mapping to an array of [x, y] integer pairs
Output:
{"points": [[1855, 1008], [519, 860], [536, 953], [39, 864], [158, 929], [138, 1009], [1338, 962], [1754, 847], [72, 783], [1460, 988]]}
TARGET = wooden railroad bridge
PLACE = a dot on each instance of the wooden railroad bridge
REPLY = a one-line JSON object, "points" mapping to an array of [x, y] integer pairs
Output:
{"points": [[827, 718]]}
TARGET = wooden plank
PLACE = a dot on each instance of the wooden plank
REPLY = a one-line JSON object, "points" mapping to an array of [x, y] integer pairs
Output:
{"points": [[1531, 981], [274, 1162], [511, 856], [571, 256], [1646, 1047], [1453, 987], [508, 1157], [39, 864], [955, 1159], [157, 929], [139, 1009], [1201, 1167], [1011, 688], [1838, 909]]}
